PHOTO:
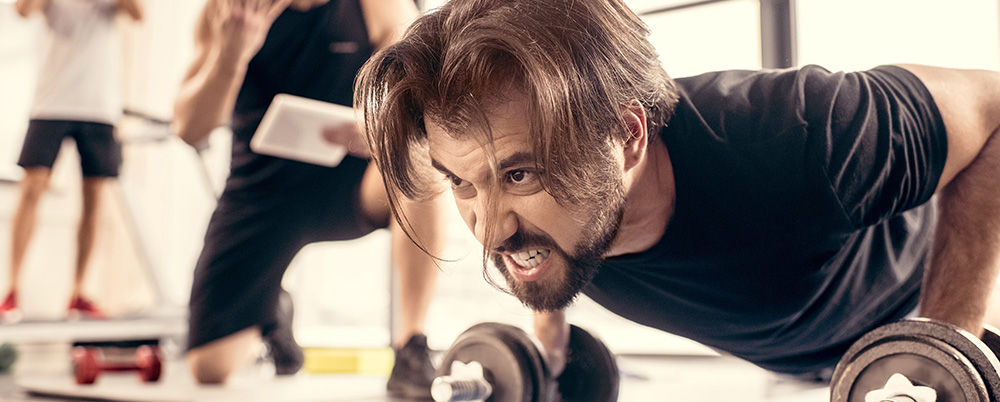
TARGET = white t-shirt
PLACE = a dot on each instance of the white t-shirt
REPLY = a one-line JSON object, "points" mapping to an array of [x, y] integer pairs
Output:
{"points": [[80, 76]]}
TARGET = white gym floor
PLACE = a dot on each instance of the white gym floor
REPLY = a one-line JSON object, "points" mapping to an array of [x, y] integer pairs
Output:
{"points": [[662, 378]]}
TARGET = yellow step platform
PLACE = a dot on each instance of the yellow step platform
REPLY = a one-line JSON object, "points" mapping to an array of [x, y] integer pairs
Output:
{"points": [[376, 361]]}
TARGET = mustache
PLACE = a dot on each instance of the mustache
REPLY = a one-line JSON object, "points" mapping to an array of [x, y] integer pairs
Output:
{"points": [[522, 239]]}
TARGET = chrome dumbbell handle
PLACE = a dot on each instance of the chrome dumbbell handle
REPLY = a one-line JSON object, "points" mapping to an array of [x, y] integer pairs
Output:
{"points": [[465, 382], [900, 389], [450, 389]]}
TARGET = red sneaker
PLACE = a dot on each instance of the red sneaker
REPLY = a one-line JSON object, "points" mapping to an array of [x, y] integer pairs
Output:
{"points": [[81, 308], [9, 312]]}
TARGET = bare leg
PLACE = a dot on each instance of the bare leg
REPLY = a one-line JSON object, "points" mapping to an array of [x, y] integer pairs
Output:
{"points": [[416, 270], [214, 362], [92, 188], [33, 186]]}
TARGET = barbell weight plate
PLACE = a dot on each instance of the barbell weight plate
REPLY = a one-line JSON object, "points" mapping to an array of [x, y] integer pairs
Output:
{"points": [[991, 338], [8, 356], [543, 388], [913, 347], [507, 366], [924, 361], [972, 347], [591, 373]]}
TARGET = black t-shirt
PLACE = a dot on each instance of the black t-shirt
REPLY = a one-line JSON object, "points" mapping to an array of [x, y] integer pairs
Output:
{"points": [[802, 218], [314, 54]]}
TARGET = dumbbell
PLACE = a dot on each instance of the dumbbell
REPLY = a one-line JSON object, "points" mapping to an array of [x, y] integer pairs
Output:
{"points": [[502, 363], [919, 360], [8, 356], [89, 364]]}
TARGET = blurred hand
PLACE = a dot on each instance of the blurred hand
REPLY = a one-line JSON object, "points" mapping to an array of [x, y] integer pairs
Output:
{"points": [[552, 330], [348, 135], [239, 27], [305, 5]]}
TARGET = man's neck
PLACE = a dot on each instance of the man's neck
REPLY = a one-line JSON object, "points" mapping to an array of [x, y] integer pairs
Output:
{"points": [[649, 203]]}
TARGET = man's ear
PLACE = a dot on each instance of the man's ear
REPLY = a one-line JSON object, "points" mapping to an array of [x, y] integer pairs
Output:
{"points": [[635, 146]]}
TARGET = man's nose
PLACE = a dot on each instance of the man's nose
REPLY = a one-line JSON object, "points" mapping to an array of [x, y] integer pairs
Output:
{"points": [[495, 222]]}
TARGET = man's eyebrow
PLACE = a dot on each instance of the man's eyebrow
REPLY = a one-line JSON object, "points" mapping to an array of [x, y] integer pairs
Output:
{"points": [[437, 165], [517, 159]]}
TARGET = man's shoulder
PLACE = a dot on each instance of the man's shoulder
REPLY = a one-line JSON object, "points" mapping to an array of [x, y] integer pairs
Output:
{"points": [[736, 82]]}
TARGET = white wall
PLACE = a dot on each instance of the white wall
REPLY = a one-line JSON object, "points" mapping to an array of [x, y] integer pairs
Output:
{"points": [[17, 43], [859, 34]]}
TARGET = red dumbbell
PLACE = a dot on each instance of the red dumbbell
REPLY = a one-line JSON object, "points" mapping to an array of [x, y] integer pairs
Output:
{"points": [[89, 364]]}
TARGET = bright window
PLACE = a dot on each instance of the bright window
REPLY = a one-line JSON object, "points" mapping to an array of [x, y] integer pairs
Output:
{"points": [[859, 34]]}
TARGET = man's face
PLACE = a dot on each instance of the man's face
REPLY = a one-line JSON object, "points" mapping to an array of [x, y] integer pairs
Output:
{"points": [[546, 251]]}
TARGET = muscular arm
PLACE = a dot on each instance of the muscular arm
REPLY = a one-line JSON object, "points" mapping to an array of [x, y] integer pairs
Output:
{"points": [[964, 260], [552, 330], [132, 8], [26, 7], [208, 90], [227, 36]]}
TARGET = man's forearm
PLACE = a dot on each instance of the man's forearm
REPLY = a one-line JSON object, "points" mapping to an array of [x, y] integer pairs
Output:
{"points": [[552, 331], [964, 262], [206, 100], [27, 7], [131, 7]]}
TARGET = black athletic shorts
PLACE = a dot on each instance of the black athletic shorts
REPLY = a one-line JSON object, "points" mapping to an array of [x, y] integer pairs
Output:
{"points": [[255, 233], [100, 151]]}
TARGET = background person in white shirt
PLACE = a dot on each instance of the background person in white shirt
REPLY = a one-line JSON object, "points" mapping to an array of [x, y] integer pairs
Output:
{"points": [[78, 96]]}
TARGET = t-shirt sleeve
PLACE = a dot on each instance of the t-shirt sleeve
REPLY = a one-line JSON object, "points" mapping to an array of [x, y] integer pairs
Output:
{"points": [[877, 135], [807, 149]]}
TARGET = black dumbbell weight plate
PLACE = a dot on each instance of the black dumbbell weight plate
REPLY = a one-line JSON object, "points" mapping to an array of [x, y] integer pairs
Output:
{"points": [[991, 337], [929, 353], [979, 354], [591, 373], [541, 388], [506, 363], [8, 356]]}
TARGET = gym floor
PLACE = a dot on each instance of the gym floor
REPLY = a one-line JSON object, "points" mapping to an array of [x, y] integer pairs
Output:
{"points": [[661, 378]]}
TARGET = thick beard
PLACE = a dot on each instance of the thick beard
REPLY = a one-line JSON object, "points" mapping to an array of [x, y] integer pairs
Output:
{"points": [[582, 265]]}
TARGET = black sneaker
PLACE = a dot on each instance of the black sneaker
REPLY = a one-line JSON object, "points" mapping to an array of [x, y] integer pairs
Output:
{"points": [[281, 346], [412, 372]]}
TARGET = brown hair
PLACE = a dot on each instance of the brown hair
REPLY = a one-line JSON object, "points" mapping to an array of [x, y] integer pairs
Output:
{"points": [[578, 63]]}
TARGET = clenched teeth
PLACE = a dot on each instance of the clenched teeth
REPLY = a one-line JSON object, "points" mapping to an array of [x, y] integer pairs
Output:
{"points": [[530, 258]]}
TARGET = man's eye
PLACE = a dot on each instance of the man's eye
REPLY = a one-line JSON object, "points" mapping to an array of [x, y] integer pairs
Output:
{"points": [[521, 176], [455, 181], [518, 176], [523, 182], [460, 188]]}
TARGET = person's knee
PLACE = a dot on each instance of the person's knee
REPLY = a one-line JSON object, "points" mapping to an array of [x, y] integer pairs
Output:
{"points": [[216, 361], [206, 368], [33, 186]]}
